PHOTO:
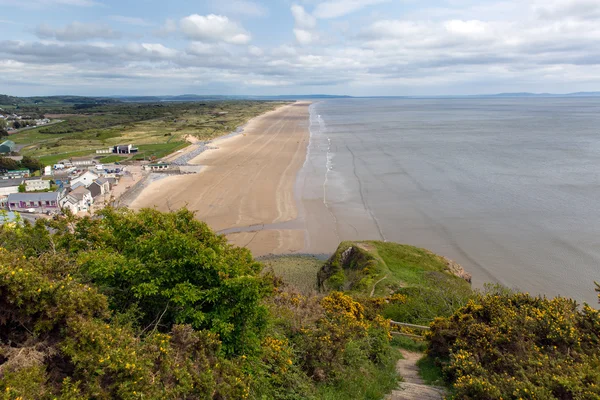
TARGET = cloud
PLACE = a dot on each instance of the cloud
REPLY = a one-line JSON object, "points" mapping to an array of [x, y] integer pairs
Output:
{"points": [[168, 28], [304, 25], [135, 21], [560, 9], [241, 7], [339, 8], [303, 19], [76, 31], [216, 28]]}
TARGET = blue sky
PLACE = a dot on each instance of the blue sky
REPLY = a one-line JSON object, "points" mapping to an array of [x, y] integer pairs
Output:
{"points": [[355, 47]]}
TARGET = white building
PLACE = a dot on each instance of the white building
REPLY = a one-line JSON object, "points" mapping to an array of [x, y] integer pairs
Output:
{"points": [[33, 185], [78, 200], [84, 179], [9, 186], [48, 170]]}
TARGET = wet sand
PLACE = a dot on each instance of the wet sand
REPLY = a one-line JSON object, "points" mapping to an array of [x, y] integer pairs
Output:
{"points": [[247, 181]]}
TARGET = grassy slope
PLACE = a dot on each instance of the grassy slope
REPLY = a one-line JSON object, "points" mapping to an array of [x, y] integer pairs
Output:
{"points": [[297, 271], [157, 136], [384, 268]]}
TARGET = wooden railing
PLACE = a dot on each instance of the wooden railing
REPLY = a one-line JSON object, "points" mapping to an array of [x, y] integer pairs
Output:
{"points": [[412, 326]]}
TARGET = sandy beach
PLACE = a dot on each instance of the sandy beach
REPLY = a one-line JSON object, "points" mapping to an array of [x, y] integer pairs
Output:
{"points": [[247, 181]]}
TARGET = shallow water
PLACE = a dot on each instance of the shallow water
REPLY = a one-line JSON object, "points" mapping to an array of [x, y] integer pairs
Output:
{"points": [[506, 187]]}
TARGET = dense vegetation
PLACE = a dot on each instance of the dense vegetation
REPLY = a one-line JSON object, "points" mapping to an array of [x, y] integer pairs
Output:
{"points": [[155, 305], [506, 345], [156, 128], [424, 279]]}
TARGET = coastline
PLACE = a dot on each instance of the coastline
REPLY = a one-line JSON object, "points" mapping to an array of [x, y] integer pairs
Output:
{"points": [[247, 183]]}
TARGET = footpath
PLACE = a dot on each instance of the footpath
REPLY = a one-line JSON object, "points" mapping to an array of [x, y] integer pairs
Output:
{"points": [[412, 387]]}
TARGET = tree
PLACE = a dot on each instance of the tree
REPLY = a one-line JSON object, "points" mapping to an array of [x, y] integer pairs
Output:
{"points": [[174, 270], [31, 163], [8, 163], [22, 188]]}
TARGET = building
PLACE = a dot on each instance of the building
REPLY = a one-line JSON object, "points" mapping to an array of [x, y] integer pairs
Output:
{"points": [[87, 178], [156, 167], [34, 202], [82, 162], [78, 200], [125, 149], [47, 170], [7, 146], [33, 185], [16, 174], [99, 187], [8, 186]]}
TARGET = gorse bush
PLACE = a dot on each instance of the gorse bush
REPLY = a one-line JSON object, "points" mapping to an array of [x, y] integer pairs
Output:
{"points": [[515, 346], [155, 305]]}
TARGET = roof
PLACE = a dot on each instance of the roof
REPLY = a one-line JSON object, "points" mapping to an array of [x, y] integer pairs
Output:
{"points": [[79, 193], [8, 143], [46, 196], [10, 182], [100, 181], [158, 165]]}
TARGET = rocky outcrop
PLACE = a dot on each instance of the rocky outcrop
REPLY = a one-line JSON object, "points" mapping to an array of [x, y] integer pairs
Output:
{"points": [[457, 270]]}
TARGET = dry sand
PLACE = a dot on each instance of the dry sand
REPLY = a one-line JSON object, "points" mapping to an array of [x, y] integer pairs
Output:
{"points": [[249, 180]]}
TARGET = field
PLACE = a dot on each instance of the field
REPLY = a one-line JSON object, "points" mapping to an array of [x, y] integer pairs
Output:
{"points": [[156, 129], [297, 271]]}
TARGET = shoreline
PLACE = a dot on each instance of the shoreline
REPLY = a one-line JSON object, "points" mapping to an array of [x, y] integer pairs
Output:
{"points": [[248, 181]]}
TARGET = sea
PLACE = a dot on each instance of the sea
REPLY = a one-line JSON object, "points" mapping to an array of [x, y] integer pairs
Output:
{"points": [[507, 187]]}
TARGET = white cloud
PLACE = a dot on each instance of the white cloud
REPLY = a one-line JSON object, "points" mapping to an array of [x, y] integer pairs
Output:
{"points": [[305, 25], [338, 8], [135, 21], [466, 28], [305, 37], [168, 28], [560, 9], [241, 7], [76, 31], [214, 28], [303, 19]]}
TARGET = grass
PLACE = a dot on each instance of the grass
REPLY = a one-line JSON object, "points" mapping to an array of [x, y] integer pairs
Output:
{"points": [[409, 344], [383, 268], [430, 372], [297, 271], [157, 129], [111, 159], [372, 383], [158, 150]]}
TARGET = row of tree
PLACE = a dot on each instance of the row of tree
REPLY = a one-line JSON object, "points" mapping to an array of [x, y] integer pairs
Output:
{"points": [[31, 163]]}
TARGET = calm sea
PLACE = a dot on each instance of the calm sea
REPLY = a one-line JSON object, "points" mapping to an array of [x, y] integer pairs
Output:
{"points": [[508, 188]]}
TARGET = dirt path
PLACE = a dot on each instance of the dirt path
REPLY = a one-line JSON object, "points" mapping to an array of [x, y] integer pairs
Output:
{"points": [[413, 387]]}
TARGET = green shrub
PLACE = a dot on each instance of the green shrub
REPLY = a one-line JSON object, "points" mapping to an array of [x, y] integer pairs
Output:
{"points": [[517, 346]]}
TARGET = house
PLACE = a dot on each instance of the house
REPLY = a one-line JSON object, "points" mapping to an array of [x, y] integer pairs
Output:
{"points": [[8, 186], [7, 146], [16, 174], [81, 162], [99, 187], [77, 200], [33, 185], [157, 167], [47, 170], [34, 202], [125, 149], [87, 178]]}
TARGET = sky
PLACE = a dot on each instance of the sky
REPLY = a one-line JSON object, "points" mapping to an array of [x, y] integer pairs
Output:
{"points": [[274, 47]]}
